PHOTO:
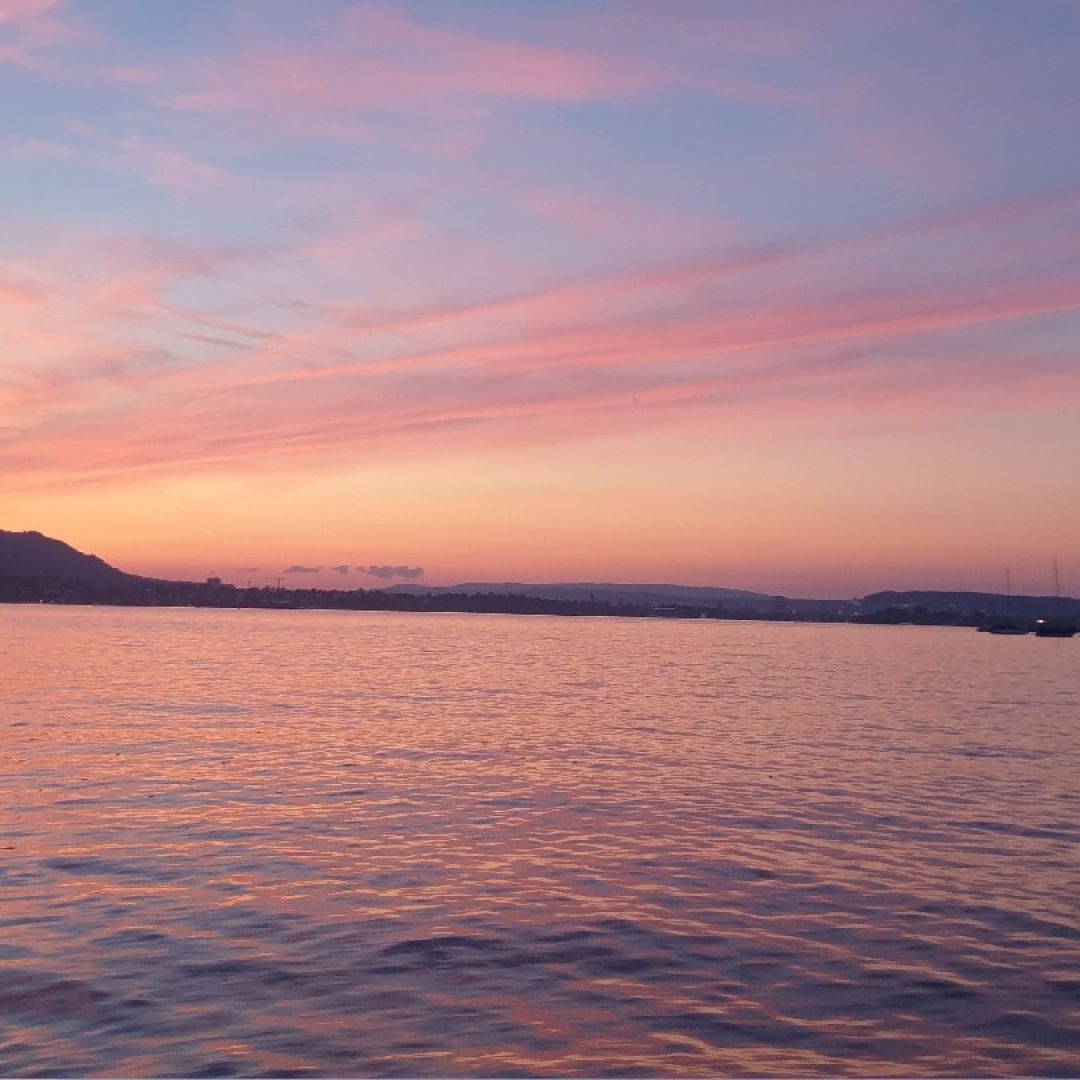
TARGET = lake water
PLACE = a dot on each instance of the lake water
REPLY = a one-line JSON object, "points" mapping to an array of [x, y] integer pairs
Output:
{"points": [[353, 844]]}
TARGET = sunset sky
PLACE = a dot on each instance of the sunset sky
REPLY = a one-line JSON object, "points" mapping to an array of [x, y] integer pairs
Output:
{"points": [[780, 296]]}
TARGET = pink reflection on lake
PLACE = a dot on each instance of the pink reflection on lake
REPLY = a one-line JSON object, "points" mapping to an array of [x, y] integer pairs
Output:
{"points": [[368, 844]]}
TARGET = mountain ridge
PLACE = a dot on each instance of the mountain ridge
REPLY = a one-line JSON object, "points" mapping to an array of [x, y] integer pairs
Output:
{"points": [[653, 595], [571, 589], [31, 556]]}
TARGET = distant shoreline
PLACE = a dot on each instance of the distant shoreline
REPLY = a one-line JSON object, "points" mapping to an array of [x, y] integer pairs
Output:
{"points": [[210, 598], [37, 569], [228, 597]]}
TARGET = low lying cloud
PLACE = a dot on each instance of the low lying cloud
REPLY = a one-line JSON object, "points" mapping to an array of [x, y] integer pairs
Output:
{"points": [[392, 571], [247, 570], [384, 571]]}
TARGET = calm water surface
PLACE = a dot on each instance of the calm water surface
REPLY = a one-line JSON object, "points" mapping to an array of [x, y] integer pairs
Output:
{"points": [[249, 843]]}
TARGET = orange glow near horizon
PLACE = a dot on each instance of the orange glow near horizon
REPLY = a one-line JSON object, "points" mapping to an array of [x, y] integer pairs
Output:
{"points": [[615, 513]]}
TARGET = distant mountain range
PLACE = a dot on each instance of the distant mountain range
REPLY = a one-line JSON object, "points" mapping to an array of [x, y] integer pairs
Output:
{"points": [[33, 566], [583, 590], [656, 595]]}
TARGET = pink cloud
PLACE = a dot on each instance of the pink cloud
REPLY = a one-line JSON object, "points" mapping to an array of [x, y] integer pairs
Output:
{"points": [[24, 11], [159, 164], [171, 168], [118, 376], [31, 29], [382, 74], [16, 293], [71, 337], [291, 420], [39, 149], [385, 60], [287, 429], [557, 313]]}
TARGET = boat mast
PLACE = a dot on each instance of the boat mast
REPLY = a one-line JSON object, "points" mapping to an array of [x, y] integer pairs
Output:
{"points": [[1057, 580]]}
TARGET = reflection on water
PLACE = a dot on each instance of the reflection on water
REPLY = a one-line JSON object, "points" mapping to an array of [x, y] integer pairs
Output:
{"points": [[365, 844]]}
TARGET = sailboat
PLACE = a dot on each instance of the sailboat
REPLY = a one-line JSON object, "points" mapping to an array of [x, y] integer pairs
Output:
{"points": [[1054, 627]]}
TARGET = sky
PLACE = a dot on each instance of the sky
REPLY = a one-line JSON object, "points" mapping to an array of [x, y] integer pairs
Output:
{"points": [[768, 295]]}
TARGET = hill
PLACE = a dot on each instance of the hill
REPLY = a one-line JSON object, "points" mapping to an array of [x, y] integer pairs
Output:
{"points": [[656, 595], [32, 555], [970, 604], [583, 590]]}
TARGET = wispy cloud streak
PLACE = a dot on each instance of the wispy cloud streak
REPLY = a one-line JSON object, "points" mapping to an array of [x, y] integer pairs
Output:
{"points": [[780, 333]]}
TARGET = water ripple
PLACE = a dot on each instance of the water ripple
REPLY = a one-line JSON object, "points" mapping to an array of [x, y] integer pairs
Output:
{"points": [[303, 843]]}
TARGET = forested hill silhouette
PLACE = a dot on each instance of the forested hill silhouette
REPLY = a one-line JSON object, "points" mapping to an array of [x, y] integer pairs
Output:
{"points": [[32, 555], [917, 605], [609, 592]]}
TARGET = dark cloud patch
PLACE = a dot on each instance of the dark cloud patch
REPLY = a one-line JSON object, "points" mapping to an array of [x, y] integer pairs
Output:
{"points": [[296, 568], [392, 571], [247, 570], [342, 569], [379, 571]]}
